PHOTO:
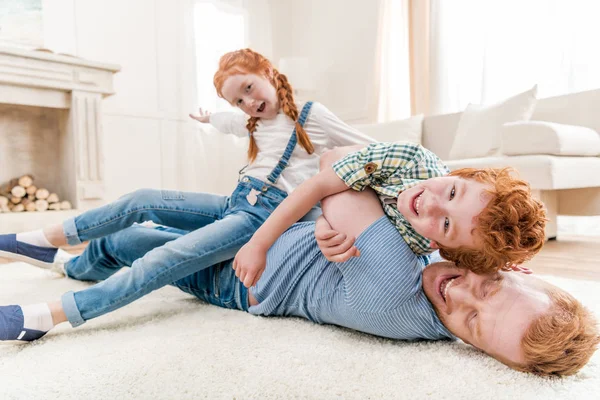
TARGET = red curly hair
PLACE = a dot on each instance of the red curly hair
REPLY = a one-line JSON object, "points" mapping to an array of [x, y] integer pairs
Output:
{"points": [[247, 61], [511, 228], [562, 340]]}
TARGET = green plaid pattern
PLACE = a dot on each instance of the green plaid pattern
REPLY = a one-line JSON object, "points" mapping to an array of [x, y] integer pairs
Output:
{"points": [[394, 167]]}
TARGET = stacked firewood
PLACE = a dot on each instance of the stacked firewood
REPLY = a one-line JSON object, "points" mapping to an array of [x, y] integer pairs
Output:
{"points": [[20, 194]]}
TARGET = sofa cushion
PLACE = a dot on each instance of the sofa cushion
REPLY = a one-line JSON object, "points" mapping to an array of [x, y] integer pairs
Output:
{"points": [[542, 137], [543, 172], [408, 130], [478, 133]]}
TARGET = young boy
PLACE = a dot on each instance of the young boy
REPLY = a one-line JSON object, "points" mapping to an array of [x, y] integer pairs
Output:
{"points": [[481, 219]]}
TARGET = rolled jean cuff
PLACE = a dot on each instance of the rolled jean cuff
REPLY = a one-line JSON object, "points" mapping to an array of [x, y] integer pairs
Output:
{"points": [[241, 296], [70, 231], [70, 309]]}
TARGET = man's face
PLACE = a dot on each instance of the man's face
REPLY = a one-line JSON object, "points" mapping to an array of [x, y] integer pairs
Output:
{"points": [[490, 312], [444, 209]]}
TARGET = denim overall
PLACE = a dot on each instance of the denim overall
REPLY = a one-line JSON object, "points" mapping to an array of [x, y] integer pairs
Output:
{"points": [[216, 228]]}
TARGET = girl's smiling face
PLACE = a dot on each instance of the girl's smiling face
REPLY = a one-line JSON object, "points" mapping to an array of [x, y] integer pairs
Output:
{"points": [[255, 95]]}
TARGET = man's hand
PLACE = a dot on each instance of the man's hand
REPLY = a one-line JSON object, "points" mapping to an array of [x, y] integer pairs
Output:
{"points": [[249, 263], [335, 246], [202, 116]]}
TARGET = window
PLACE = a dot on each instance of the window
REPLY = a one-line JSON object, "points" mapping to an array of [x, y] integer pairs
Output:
{"points": [[21, 23], [489, 50], [220, 27]]}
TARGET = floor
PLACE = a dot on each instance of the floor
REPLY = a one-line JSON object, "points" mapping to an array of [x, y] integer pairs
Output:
{"points": [[571, 256]]}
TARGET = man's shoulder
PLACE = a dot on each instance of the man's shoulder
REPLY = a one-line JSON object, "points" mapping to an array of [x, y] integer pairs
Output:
{"points": [[387, 273]]}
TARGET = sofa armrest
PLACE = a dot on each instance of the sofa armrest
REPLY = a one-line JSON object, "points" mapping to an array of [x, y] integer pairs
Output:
{"points": [[542, 137]]}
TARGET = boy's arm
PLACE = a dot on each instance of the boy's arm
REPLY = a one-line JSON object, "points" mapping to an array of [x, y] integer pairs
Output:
{"points": [[250, 260], [335, 246]]}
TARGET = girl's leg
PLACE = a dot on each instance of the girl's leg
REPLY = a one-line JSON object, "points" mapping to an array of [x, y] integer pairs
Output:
{"points": [[107, 255], [182, 210], [104, 257], [186, 211], [161, 266]]}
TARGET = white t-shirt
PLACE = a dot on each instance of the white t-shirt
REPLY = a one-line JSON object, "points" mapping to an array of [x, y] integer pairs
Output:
{"points": [[324, 129]]}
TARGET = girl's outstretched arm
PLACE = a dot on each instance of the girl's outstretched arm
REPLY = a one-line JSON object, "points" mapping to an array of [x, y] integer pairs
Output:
{"points": [[231, 122]]}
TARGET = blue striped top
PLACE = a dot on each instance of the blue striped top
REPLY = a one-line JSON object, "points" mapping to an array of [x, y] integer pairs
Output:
{"points": [[379, 292]]}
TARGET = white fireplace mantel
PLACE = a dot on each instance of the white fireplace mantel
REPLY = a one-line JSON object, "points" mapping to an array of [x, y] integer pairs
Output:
{"points": [[39, 78], [61, 82]]}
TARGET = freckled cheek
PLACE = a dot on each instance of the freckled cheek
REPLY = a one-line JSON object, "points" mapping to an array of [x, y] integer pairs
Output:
{"points": [[430, 227], [426, 228]]}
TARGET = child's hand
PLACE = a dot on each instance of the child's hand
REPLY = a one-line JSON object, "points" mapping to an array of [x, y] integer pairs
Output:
{"points": [[335, 246], [517, 268], [202, 116], [249, 263]]}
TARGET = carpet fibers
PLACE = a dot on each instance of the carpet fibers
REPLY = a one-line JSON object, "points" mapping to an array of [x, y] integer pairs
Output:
{"points": [[169, 345]]}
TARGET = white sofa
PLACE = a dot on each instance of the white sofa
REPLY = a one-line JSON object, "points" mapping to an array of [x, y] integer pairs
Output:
{"points": [[567, 184]]}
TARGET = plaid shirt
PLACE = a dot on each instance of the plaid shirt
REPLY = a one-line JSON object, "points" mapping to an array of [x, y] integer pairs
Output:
{"points": [[389, 169]]}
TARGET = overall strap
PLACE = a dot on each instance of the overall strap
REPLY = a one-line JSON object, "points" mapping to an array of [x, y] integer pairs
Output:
{"points": [[283, 161]]}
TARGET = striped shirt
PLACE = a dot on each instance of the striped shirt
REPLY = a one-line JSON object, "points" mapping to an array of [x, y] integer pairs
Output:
{"points": [[389, 169], [379, 292]]}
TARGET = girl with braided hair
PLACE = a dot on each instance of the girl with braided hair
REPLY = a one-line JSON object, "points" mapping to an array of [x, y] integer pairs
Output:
{"points": [[217, 226]]}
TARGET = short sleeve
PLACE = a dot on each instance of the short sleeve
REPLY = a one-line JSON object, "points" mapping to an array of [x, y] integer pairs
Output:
{"points": [[375, 163]]}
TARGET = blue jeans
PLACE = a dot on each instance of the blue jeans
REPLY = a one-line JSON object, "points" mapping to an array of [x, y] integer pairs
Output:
{"points": [[219, 227], [103, 257]]}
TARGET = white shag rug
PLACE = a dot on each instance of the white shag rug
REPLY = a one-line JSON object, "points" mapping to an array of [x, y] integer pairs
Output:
{"points": [[169, 345]]}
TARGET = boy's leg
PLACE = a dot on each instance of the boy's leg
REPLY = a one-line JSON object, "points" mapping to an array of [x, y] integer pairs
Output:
{"points": [[186, 211], [161, 266]]}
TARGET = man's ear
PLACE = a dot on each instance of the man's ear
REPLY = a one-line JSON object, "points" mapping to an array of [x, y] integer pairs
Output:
{"points": [[433, 244]]}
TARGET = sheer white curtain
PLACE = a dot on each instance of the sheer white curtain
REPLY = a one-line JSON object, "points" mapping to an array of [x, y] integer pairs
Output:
{"points": [[220, 26], [486, 50], [394, 82]]}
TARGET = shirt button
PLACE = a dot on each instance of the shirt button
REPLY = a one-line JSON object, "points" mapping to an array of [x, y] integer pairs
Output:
{"points": [[370, 168], [264, 188], [245, 179]]}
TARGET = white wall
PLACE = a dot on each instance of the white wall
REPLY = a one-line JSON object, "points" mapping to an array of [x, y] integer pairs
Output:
{"points": [[149, 140], [339, 37], [147, 133]]}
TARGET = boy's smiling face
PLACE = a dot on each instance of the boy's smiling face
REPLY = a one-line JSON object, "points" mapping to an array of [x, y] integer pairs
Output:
{"points": [[444, 209]]}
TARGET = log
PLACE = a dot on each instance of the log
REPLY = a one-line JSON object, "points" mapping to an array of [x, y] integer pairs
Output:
{"points": [[42, 194], [30, 206], [18, 191], [31, 189], [54, 206], [25, 181], [41, 205], [7, 187], [31, 197], [3, 201], [18, 208], [52, 198], [4, 208], [65, 205], [15, 199]]}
